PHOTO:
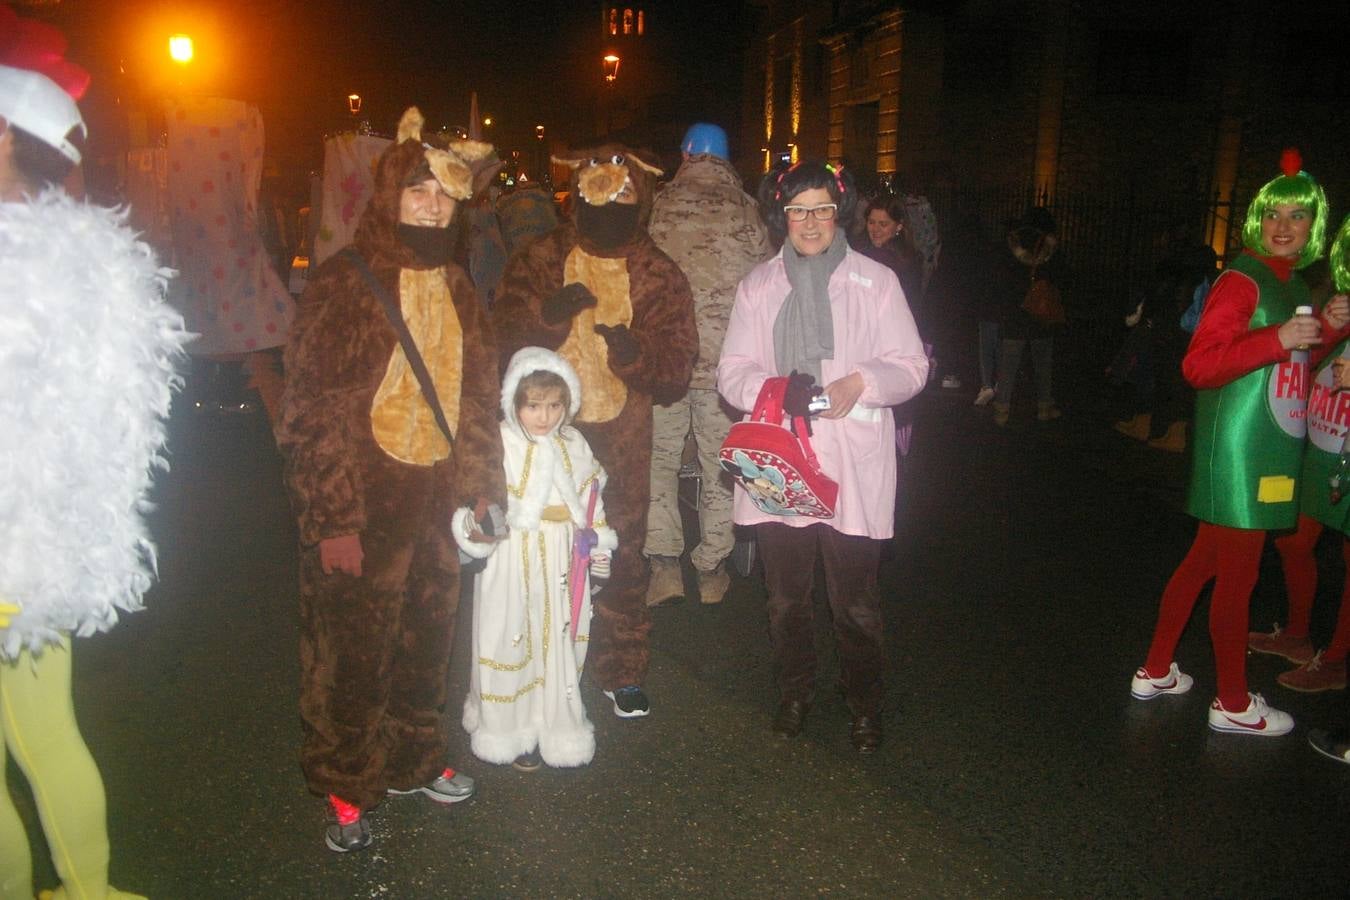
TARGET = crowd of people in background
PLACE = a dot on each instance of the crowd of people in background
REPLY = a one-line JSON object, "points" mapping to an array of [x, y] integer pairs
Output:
{"points": [[481, 386]]}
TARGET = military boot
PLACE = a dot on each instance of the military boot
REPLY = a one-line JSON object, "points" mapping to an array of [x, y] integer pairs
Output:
{"points": [[667, 582]]}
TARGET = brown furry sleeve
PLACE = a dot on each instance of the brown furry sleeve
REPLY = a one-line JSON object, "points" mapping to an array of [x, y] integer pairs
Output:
{"points": [[531, 277], [328, 370], [663, 323], [477, 470]]}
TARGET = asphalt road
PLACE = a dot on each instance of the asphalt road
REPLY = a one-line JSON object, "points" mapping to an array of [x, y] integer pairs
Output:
{"points": [[1019, 597]]}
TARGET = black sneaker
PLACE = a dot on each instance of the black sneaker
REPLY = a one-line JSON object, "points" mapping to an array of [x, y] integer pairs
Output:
{"points": [[629, 702], [528, 762], [347, 828]]}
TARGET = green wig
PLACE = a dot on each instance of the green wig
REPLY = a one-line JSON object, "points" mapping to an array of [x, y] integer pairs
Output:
{"points": [[1295, 188], [1340, 258]]}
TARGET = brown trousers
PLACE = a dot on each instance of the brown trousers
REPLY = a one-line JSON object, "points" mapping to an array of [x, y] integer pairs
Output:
{"points": [[621, 622], [374, 658], [855, 602]]}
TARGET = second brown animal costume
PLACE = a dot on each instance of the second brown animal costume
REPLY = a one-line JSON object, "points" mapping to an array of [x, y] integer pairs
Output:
{"points": [[365, 457], [598, 292]]}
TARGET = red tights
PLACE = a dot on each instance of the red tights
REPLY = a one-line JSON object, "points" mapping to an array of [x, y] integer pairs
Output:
{"points": [[1300, 578], [1232, 558]]}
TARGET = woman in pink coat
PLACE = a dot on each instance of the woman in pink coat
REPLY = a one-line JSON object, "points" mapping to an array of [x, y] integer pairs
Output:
{"points": [[838, 324]]}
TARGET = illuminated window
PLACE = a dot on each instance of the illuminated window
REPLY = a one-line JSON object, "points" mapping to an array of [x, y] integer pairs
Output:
{"points": [[613, 20], [627, 21], [640, 23]]}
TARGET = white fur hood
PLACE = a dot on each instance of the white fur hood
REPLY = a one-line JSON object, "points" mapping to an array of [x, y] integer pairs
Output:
{"points": [[533, 359]]}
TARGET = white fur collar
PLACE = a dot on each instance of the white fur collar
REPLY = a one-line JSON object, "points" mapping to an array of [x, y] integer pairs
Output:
{"points": [[538, 467]]}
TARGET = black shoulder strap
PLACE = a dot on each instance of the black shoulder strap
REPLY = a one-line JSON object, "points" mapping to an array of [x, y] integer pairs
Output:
{"points": [[414, 356]]}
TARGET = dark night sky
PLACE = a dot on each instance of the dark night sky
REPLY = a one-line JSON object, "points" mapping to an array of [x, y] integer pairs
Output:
{"points": [[529, 62]]}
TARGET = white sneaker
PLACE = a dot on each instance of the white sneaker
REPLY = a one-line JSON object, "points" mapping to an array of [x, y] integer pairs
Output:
{"points": [[984, 396], [1142, 687], [1257, 718]]}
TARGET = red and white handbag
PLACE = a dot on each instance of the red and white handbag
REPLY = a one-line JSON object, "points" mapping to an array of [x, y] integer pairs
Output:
{"points": [[777, 468]]}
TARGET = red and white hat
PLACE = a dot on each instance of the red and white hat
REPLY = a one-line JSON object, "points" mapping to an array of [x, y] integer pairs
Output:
{"points": [[35, 103]]}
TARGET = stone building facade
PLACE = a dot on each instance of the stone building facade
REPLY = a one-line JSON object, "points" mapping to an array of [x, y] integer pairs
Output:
{"points": [[1058, 97]]}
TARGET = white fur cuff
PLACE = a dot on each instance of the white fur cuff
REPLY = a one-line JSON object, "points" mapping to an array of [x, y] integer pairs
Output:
{"points": [[606, 539], [462, 523]]}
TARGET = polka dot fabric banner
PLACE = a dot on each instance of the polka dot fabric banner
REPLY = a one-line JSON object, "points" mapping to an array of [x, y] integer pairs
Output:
{"points": [[348, 181], [226, 287]]}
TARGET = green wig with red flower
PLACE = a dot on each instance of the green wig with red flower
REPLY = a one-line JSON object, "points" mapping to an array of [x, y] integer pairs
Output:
{"points": [[1294, 187]]}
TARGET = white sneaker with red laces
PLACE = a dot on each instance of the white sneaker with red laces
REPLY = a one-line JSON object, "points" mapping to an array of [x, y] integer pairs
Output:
{"points": [[1258, 718], [448, 787], [1144, 687]]}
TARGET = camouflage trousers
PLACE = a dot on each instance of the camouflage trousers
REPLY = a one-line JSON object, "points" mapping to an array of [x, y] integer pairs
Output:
{"points": [[703, 413]]}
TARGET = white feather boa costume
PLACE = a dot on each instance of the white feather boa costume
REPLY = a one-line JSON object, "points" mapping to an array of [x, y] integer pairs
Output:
{"points": [[88, 362]]}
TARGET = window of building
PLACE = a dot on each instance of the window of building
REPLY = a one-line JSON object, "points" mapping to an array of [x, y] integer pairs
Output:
{"points": [[641, 24], [1139, 63], [859, 56], [627, 21], [613, 20], [782, 101]]}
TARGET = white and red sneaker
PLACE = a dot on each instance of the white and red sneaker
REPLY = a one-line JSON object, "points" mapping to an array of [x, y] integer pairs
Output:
{"points": [[1258, 718], [1144, 687]]}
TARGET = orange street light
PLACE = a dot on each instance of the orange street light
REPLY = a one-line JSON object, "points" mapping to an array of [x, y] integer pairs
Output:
{"points": [[354, 103], [180, 49], [487, 121], [611, 68]]}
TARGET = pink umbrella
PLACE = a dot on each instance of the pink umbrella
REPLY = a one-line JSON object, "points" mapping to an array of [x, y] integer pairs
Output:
{"points": [[583, 542]]}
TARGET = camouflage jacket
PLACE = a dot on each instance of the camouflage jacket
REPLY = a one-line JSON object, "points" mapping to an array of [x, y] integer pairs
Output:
{"points": [[713, 232]]}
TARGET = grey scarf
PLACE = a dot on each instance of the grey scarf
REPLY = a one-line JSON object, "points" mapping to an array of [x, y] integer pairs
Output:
{"points": [[803, 333]]}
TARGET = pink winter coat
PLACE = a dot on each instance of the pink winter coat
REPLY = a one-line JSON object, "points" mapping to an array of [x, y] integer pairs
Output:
{"points": [[874, 334]]}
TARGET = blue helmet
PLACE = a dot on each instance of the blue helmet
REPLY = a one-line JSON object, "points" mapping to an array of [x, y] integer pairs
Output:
{"points": [[703, 137]]}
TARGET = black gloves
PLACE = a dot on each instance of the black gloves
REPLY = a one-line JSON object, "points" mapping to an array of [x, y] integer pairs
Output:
{"points": [[566, 302], [623, 347], [801, 387]]}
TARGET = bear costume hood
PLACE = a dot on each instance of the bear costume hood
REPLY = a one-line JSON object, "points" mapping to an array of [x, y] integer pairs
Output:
{"points": [[598, 176], [462, 168]]}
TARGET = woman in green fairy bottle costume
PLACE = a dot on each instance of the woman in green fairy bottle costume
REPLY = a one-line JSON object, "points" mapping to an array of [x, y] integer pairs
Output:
{"points": [[1249, 366], [1322, 504]]}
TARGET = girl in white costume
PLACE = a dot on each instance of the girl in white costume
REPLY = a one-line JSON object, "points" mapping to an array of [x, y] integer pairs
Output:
{"points": [[524, 701]]}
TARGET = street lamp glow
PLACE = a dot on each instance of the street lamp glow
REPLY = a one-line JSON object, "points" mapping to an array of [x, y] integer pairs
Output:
{"points": [[354, 103], [611, 67], [487, 121], [180, 49]]}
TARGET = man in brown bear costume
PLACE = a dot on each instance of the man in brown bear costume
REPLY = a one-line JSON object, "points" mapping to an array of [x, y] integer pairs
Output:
{"points": [[375, 481], [598, 292]]}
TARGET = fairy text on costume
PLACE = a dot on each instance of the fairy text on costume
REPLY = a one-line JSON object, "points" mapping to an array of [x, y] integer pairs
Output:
{"points": [[1328, 413], [1288, 396]]}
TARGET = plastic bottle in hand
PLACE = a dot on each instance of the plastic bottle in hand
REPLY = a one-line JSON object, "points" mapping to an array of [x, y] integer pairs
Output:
{"points": [[1299, 355]]}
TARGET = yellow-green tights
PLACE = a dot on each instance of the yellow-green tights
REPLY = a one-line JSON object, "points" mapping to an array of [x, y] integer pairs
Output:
{"points": [[38, 721]]}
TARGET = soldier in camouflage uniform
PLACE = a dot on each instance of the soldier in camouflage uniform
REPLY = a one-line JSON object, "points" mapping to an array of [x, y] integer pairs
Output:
{"points": [[706, 223]]}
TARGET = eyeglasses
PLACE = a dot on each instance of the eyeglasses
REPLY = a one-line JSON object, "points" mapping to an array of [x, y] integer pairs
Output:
{"points": [[823, 213]]}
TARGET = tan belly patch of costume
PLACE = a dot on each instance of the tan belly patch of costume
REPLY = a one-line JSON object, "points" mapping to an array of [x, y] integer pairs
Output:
{"points": [[603, 394], [400, 416]]}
